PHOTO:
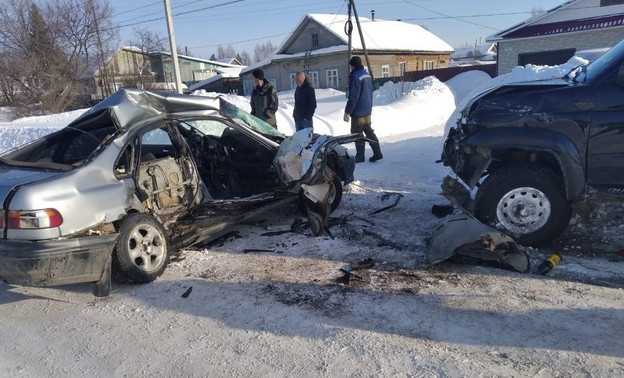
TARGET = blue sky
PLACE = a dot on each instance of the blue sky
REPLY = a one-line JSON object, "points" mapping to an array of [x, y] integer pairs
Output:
{"points": [[202, 25]]}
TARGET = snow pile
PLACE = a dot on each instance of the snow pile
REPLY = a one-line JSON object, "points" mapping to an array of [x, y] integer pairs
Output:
{"points": [[391, 92], [25, 130]]}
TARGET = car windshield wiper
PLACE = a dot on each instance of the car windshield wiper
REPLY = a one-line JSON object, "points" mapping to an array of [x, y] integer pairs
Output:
{"points": [[575, 73]]}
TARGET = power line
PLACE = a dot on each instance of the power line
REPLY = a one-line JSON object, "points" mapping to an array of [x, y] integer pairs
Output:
{"points": [[456, 18], [141, 7], [182, 13], [264, 37]]}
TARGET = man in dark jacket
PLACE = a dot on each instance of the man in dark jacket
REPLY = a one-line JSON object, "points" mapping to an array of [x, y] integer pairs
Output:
{"points": [[264, 99], [305, 102], [359, 108]]}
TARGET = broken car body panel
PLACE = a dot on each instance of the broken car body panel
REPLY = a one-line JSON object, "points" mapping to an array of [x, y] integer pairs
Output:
{"points": [[196, 164], [465, 236]]}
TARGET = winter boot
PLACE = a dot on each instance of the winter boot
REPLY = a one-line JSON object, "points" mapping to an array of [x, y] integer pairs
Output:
{"points": [[377, 155], [359, 152]]}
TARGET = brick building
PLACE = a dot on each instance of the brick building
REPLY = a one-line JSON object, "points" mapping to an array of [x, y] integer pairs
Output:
{"points": [[555, 36]]}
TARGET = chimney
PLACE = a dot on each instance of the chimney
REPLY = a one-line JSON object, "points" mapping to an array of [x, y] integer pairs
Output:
{"points": [[373, 15]]}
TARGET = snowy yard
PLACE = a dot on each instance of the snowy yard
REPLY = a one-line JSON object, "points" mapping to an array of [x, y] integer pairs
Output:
{"points": [[282, 313]]}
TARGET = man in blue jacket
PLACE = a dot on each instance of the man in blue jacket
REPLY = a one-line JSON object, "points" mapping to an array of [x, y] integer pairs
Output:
{"points": [[359, 108]]}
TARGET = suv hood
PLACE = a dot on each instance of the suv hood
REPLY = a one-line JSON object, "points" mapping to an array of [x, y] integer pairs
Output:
{"points": [[510, 88]]}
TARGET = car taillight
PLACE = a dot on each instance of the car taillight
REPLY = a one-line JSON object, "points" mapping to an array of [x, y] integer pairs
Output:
{"points": [[33, 219]]}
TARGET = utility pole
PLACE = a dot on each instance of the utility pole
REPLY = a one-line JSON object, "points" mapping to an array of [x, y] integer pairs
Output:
{"points": [[348, 31], [357, 21], [103, 69], [174, 51]]}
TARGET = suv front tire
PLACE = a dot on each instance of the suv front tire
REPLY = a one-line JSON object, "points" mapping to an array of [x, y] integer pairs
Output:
{"points": [[527, 202]]}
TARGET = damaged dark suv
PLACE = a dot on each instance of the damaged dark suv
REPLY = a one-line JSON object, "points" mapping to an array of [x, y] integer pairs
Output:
{"points": [[535, 148]]}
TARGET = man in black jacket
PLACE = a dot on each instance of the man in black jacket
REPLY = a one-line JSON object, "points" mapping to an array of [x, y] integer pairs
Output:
{"points": [[264, 101], [305, 102]]}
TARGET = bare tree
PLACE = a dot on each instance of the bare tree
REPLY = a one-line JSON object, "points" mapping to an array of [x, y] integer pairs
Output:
{"points": [[48, 51], [147, 42], [225, 52], [263, 51], [244, 58], [8, 85]]}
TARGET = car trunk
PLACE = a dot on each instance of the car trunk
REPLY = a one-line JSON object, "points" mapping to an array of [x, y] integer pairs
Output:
{"points": [[11, 178]]}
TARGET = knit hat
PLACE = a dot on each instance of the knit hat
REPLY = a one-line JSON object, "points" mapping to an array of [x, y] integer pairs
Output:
{"points": [[258, 74], [356, 62]]}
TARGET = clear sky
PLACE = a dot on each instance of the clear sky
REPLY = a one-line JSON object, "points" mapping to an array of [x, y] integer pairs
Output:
{"points": [[202, 25]]}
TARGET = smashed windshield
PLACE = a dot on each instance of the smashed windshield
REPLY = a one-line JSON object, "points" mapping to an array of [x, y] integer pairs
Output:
{"points": [[230, 110]]}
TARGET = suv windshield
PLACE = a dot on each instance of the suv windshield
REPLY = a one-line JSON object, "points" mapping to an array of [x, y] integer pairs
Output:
{"points": [[597, 69]]}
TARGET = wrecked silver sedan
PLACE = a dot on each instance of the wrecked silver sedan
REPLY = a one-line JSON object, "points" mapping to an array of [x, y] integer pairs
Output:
{"points": [[143, 174]]}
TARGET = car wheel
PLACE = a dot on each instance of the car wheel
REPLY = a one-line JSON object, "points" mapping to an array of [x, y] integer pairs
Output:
{"points": [[142, 250], [335, 196], [526, 202]]}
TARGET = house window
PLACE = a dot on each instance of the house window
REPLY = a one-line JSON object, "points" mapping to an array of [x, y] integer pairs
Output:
{"points": [[248, 86], [402, 67], [428, 64], [313, 78], [385, 70], [291, 76], [315, 40], [331, 78]]}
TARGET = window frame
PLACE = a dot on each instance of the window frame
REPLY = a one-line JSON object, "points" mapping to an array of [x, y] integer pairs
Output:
{"points": [[385, 70], [315, 42], [327, 77]]}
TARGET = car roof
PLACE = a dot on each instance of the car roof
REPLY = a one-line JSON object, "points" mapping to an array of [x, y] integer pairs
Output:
{"points": [[127, 106]]}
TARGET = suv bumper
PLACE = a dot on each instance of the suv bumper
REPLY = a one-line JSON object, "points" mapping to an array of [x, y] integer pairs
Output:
{"points": [[55, 262], [467, 161]]}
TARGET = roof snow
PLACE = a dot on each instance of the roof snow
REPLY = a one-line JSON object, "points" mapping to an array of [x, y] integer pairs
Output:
{"points": [[382, 34], [222, 73]]}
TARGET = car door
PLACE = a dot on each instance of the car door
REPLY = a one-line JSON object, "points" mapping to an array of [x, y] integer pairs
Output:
{"points": [[605, 149]]}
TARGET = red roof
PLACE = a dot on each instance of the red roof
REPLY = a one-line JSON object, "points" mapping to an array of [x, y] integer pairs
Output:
{"points": [[568, 26]]}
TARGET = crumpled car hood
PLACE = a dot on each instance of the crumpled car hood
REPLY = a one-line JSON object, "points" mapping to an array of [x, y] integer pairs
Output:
{"points": [[301, 157]]}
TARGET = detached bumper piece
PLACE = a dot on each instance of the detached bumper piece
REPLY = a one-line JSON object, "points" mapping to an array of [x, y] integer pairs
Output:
{"points": [[464, 236]]}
